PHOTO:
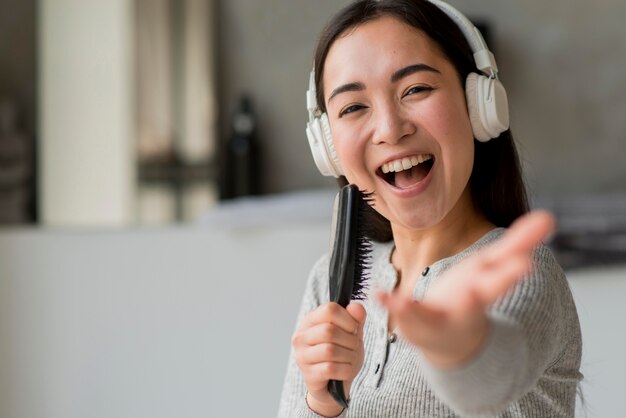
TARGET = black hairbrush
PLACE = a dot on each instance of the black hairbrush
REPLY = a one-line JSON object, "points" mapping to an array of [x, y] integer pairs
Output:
{"points": [[350, 259]]}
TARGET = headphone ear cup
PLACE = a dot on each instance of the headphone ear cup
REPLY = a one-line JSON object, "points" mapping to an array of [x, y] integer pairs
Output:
{"points": [[330, 147], [322, 148], [487, 106], [472, 95]]}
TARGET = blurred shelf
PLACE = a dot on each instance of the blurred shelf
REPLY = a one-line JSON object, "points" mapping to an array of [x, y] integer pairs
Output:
{"points": [[174, 171]]}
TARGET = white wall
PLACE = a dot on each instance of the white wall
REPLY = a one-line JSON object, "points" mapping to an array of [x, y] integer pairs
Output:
{"points": [[196, 322], [175, 322], [599, 295], [86, 147]]}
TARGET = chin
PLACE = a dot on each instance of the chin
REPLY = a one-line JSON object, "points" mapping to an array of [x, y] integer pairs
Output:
{"points": [[415, 219]]}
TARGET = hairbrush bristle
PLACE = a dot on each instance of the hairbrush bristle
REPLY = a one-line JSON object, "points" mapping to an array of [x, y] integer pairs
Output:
{"points": [[363, 266], [368, 197], [351, 249], [364, 248]]}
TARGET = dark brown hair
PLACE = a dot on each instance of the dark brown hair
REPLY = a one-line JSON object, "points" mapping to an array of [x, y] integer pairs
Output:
{"points": [[496, 182]]}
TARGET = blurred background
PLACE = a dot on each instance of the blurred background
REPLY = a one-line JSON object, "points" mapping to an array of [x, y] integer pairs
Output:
{"points": [[124, 112], [154, 168]]}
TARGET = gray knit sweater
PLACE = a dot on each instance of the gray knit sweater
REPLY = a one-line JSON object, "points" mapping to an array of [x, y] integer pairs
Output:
{"points": [[529, 366]]}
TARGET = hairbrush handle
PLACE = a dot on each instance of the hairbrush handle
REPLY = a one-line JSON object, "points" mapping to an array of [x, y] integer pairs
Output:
{"points": [[343, 246], [335, 387], [349, 259]]}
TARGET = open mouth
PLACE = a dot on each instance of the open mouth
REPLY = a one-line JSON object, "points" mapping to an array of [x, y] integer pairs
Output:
{"points": [[408, 171]]}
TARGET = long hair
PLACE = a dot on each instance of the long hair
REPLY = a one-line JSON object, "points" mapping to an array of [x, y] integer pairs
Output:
{"points": [[496, 183]]}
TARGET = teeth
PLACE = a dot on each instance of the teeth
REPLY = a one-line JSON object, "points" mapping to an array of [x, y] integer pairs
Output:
{"points": [[405, 163]]}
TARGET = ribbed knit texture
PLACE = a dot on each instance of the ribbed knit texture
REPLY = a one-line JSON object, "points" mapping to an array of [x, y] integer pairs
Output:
{"points": [[529, 366]]}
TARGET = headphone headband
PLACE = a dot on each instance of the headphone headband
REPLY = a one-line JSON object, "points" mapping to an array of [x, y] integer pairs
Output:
{"points": [[483, 57], [311, 99]]}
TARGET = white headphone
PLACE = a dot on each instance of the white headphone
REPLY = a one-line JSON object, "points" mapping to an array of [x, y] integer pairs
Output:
{"points": [[486, 99]]}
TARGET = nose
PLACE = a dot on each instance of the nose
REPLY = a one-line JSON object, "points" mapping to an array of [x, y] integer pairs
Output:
{"points": [[392, 124]]}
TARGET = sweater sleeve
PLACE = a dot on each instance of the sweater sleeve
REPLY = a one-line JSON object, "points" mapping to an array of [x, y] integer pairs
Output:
{"points": [[293, 402], [531, 327]]}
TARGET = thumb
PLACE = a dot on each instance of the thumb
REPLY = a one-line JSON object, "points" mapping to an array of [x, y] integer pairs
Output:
{"points": [[357, 311]]}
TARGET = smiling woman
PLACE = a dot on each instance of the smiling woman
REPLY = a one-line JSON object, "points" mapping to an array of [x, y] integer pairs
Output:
{"points": [[412, 104], [405, 102]]}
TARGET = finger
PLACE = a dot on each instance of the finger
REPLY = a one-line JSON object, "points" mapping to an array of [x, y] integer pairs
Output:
{"points": [[524, 234], [357, 311], [329, 371], [333, 313], [483, 282], [519, 240], [381, 296], [327, 333], [325, 352], [412, 314], [497, 281]]}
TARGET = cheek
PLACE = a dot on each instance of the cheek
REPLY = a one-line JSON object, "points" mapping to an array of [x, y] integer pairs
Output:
{"points": [[451, 122], [452, 127], [350, 151], [450, 118], [342, 146]]}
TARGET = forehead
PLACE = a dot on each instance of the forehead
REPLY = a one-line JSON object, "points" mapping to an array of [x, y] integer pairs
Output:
{"points": [[378, 48]]}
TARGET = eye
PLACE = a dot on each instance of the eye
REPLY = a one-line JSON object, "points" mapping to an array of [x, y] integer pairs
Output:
{"points": [[416, 90], [350, 109]]}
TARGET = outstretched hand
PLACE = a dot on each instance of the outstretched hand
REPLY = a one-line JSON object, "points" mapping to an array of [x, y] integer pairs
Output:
{"points": [[450, 324]]}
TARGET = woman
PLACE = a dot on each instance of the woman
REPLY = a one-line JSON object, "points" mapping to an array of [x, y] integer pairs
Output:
{"points": [[448, 329]]}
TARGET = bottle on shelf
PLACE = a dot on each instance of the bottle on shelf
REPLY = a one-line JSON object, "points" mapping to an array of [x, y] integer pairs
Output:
{"points": [[16, 168], [240, 162]]}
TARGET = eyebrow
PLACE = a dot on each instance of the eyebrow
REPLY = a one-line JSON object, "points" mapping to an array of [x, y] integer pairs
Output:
{"points": [[398, 75], [412, 69], [357, 86]]}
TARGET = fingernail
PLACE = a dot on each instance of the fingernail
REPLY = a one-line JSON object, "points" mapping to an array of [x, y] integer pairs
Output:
{"points": [[548, 238]]}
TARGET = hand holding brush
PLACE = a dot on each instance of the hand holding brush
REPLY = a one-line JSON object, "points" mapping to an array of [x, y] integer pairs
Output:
{"points": [[328, 344]]}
